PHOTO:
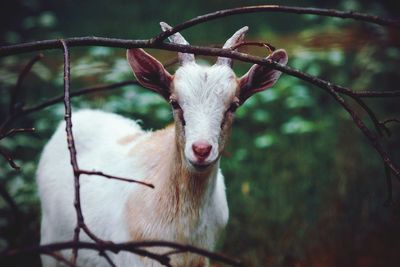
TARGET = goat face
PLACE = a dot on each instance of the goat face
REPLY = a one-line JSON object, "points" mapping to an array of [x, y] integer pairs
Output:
{"points": [[203, 98]]}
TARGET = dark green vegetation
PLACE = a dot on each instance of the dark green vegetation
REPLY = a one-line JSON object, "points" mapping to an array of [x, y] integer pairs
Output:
{"points": [[304, 186]]}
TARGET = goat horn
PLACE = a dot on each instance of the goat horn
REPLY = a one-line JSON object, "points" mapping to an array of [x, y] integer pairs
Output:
{"points": [[177, 38], [236, 38]]}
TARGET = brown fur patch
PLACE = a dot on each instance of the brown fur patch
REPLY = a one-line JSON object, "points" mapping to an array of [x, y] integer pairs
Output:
{"points": [[174, 185], [128, 138]]}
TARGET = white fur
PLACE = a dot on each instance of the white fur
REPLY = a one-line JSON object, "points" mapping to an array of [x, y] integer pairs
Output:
{"points": [[189, 203], [204, 93], [103, 200]]}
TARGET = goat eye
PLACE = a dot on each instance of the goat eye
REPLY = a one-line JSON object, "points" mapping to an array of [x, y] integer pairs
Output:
{"points": [[174, 104], [232, 108]]}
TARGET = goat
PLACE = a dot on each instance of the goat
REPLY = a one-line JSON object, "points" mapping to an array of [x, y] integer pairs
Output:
{"points": [[188, 204]]}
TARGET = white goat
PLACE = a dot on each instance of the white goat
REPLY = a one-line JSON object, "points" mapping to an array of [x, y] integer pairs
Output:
{"points": [[188, 204]]}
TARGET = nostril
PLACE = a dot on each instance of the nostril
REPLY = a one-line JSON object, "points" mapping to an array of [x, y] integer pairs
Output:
{"points": [[201, 149]]}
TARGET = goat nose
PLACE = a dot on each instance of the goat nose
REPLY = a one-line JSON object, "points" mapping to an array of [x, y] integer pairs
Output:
{"points": [[201, 149]]}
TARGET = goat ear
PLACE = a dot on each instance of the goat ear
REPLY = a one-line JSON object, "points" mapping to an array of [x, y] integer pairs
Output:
{"points": [[260, 78], [149, 72]]}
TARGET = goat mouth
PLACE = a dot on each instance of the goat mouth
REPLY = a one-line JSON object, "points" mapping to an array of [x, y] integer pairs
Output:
{"points": [[200, 167]]}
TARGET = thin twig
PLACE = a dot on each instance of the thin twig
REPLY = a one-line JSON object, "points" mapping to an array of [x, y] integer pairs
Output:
{"points": [[378, 126], [390, 120], [115, 177], [59, 258], [389, 186], [171, 62], [11, 202], [92, 236], [260, 44], [14, 91], [17, 130], [80, 92], [108, 259], [9, 159]]}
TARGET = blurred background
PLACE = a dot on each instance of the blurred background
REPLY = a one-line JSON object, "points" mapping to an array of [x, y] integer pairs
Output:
{"points": [[304, 186]]}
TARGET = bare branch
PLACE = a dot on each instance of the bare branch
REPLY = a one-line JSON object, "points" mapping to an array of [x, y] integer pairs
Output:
{"points": [[59, 258], [21, 77], [115, 177], [134, 247], [11, 202], [390, 120], [9, 159], [17, 130], [80, 92], [261, 44], [74, 162], [111, 42], [389, 200], [71, 147], [378, 126], [108, 259], [77, 41], [277, 8]]}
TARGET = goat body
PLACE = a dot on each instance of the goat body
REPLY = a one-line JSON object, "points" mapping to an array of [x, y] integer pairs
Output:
{"points": [[183, 207], [188, 204]]}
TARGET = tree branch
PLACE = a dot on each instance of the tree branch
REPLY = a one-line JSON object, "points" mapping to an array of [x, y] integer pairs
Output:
{"points": [[71, 148], [134, 247], [390, 120], [80, 92], [17, 130], [21, 77], [115, 177], [276, 8], [9, 159], [11, 202]]}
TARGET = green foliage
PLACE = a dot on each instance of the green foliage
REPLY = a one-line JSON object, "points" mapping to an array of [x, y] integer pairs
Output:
{"points": [[304, 187]]}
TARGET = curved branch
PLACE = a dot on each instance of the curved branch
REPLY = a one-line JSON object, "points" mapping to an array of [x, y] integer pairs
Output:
{"points": [[390, 120], [112, 42], [283, 9], [21, 77], [79, 92]]}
